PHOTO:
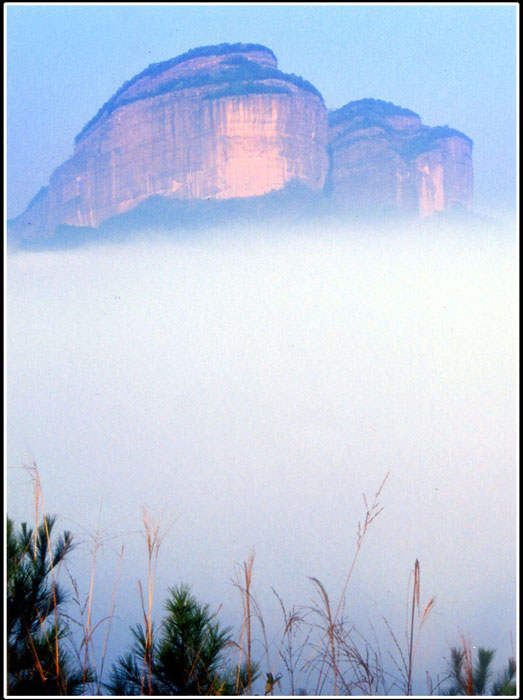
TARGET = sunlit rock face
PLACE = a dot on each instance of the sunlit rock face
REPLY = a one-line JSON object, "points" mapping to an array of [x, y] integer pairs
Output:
{"points": [[384, 159], [444, 176], [222, 122], [218, 122]]}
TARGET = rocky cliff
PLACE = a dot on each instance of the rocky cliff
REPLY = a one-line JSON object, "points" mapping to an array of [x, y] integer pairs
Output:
{"points": [[223, 122], [384, 159]]}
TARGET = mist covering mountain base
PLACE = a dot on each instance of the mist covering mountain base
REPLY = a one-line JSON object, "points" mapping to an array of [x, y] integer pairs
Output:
{"points": [[293, 205], [226, 135], [249, 385]]}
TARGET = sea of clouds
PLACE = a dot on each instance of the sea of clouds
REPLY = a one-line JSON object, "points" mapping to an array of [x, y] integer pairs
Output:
{"points": [[247, 387]]}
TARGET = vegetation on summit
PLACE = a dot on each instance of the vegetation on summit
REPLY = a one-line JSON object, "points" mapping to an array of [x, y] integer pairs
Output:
{"points": [[368, 107], [367, 113], [241, 69]]}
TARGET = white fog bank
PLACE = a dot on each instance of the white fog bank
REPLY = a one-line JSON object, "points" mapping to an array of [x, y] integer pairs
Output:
{"points": [[249, 387]]}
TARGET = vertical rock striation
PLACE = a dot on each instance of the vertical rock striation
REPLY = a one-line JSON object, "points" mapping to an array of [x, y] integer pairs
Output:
{"points": [[222, 122], [384, 159], [218, 122]]}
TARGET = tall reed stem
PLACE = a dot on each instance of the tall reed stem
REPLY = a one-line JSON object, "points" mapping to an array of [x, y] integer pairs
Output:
{"points": [[415, 601]]}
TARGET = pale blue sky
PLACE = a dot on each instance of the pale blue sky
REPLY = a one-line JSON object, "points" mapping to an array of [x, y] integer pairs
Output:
{"points": [[453, 65]]}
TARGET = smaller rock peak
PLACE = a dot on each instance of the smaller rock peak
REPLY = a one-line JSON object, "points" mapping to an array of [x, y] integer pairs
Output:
{"points": [[370, 108]]}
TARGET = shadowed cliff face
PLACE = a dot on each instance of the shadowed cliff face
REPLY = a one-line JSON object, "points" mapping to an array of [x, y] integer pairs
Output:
{"points": [[223, 122], [384, 158]]}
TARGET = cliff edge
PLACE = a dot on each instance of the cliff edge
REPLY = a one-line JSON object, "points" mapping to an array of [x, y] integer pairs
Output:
{"points": [[223, 122], [384, 159]]}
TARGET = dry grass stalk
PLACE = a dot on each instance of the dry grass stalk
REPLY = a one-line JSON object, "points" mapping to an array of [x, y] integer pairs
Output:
{"points": [[247, 570], [37, 660], [87, 626], [38, 498], [111, 615], [39, 507], [292, 619], [366, 664], [435, 688], [415, 602], [403, 671], [330, 631], [244, 584], [87, 631], [412, 642], [467, 666], [99, 539], [251, 609], [337, 645], [330, 656], [271, 679], [428, 608], [153, 539], [370, 515]]}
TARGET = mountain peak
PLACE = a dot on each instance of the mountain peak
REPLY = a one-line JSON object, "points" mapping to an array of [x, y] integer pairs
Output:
{"points": [[223, 122]]}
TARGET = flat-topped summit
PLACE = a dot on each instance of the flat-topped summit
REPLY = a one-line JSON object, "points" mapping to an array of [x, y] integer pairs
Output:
{"points": [[174, 74], [223, 122]]}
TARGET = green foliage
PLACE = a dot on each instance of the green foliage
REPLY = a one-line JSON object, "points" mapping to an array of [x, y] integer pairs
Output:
{"points": [[357, 132], [444, 132], [368, 107], [235, 61], [468, 679], [235, 75], [427, 140], [505, 683], [248, 88], [240, 69], [365, 122], [367, 113], [185, 658], [37, 662], [155, 69]]}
